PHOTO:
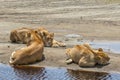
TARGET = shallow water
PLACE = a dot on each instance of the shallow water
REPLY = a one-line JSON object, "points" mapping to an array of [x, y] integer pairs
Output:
{"points": [[109, 46], [48, 73]]}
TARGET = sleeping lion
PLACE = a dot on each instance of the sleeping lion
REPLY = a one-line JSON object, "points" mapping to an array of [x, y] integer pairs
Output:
{"points": [[18, 35], [85, 56]]}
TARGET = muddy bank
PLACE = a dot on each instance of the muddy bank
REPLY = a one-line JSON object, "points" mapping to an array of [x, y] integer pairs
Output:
{"points": [[55, 57]]}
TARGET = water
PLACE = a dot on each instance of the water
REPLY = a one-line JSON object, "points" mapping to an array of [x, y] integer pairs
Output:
{"points": [[48, 73], [109, 46]]}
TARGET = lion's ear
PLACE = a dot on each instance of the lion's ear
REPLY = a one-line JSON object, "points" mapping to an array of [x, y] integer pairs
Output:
{"points": [[42, 34], [52, 34], [100, 49], [35, 31]]}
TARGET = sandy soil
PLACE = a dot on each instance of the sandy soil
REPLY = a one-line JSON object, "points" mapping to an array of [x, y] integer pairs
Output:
{"points": [[91, 19]]}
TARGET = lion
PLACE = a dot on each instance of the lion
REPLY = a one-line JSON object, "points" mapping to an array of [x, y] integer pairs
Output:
{"points": [[18, 35], [31, 53], [85, 56], [46, 35], [58, 44], [80, 55]]}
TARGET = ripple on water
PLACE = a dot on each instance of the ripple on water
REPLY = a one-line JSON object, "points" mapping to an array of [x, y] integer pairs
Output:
{"points": [[48, 73]]}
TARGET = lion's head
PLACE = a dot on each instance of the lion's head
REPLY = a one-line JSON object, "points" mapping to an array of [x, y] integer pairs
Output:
{"points": [[46, 36], [102, 58]]}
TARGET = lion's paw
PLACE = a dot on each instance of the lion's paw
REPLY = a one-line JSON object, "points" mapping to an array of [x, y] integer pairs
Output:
{"points": [[55, 45]]}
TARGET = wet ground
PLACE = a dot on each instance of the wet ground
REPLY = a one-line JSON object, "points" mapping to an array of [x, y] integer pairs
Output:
{"points": [[49, 73], [73, 22]]}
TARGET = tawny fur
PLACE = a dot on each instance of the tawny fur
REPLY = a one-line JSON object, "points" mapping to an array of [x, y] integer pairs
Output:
{"points": [[85, 56], [31, 53], [18, 35], [81, 55]]}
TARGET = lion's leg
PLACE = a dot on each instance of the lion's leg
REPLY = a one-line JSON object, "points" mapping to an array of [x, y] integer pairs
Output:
{"points": [[62, 44], [58, 44], [85, 62], [69, 61], [55, 44]]}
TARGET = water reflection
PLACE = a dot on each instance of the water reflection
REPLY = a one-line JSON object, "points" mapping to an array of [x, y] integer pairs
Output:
{"points": [[87, 75], [47, 73], [29, 73]]}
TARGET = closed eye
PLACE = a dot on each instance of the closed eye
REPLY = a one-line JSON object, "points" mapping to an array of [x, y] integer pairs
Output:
{"points": [[13, 58]]}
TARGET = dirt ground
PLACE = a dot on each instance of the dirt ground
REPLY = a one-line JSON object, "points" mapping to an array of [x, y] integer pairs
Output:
{"points": [[91, 19]]}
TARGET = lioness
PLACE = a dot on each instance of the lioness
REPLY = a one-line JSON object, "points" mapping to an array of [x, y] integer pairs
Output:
{"points": [[85, 56], [18, 35], [48, 38], [31, 53]]}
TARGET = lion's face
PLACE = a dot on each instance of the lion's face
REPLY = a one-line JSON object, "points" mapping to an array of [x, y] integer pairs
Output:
{"points": [[46, 36], [102, 58]]}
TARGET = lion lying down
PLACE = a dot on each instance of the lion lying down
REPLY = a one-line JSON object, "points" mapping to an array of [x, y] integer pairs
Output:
{"points": [[18, 35], [85, 56], [31, 53]]}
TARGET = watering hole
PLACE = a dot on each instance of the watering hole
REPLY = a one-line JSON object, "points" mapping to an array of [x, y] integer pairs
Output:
{"points": [[49, 73], [108, 46]]}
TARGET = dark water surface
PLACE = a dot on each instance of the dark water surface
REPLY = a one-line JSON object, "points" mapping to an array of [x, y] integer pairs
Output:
{"points": [[49, 73]]}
